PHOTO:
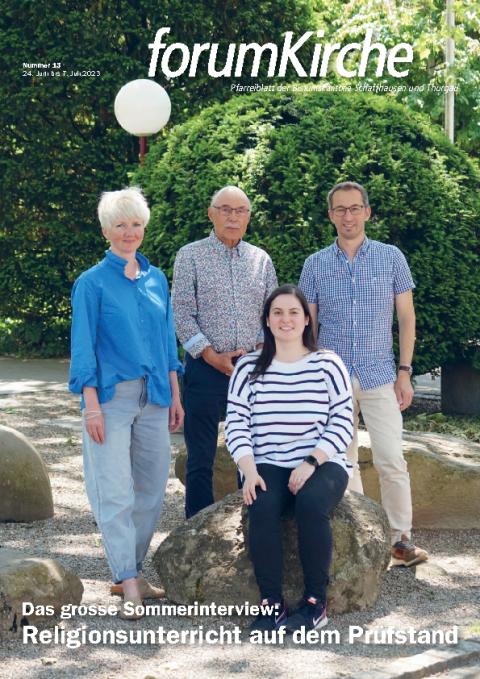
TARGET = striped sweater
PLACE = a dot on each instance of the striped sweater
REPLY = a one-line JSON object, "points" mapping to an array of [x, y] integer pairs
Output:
{"points": [[282, 416]]}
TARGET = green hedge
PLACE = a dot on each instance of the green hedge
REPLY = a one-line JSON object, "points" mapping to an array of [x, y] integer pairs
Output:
{"points": [[60, 145], [287, 150]]}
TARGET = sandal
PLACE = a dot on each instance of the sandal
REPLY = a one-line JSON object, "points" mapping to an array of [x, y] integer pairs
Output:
{"points": [[146, 590]]}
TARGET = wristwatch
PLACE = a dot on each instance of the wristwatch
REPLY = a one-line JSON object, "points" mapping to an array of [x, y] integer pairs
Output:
{"points": [[310, 459], [407, 368]]}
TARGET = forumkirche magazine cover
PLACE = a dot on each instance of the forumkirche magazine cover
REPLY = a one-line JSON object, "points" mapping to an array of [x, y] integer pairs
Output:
{"points": [[204, 474]]}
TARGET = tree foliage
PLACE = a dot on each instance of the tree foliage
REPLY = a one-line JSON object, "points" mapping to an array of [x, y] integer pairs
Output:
{"points": [[422, 24], [286, 151], [61, 145]]}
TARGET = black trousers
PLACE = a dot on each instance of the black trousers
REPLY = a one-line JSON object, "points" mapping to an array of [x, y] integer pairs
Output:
{"points": [[205, 402], [312, 507]]}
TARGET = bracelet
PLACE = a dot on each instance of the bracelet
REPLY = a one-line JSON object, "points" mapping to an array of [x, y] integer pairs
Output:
{"points": [[92, 414]]}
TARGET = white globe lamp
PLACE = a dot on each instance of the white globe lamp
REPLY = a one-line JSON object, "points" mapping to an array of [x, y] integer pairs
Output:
{"points": [[142, 107]]}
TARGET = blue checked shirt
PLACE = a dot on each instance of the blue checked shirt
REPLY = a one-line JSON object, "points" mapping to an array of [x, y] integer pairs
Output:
{"points": [[355, 302]]}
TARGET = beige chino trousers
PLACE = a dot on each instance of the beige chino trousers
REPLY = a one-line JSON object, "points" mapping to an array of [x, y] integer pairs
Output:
{"points": [[383, 419]]}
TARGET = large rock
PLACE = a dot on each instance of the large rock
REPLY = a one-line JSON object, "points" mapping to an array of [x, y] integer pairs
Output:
{"points": [[205, 558], [444, 472], [43, 582], [224, 471], [445, 479], [25, 492]]}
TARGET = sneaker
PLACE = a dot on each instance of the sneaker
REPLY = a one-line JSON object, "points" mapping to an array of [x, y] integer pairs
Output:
{"points": [[267, 622], [404, 553], [310, 614]]}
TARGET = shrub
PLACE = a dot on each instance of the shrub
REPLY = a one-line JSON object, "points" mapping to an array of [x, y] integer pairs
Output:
{"points": [[286, 150], [61, 145]]}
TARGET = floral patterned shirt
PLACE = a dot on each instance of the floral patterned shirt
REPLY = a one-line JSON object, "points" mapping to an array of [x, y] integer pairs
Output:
{"points": [[218, 294]]}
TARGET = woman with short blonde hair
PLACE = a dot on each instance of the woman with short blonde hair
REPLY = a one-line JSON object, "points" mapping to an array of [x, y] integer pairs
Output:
{"points": [[124, 364]]}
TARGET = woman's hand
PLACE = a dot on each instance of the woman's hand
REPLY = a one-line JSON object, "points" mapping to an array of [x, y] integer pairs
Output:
{"points": [[95, 425], [175, 412], [299, 476], [175, 415], [252, 480], [94, 422]]}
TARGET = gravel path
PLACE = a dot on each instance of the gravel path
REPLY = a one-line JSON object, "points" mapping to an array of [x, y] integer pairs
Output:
{"points": [[443, 593]]}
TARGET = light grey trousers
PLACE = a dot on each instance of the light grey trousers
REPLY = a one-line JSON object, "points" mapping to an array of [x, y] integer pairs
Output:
{"points": [[126, 476]]}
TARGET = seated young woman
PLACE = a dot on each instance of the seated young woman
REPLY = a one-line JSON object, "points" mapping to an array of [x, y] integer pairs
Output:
{"points": [[289, 424]]}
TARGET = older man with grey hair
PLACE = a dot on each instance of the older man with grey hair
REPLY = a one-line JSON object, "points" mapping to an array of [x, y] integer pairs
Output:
{"points": [[220, 285]]}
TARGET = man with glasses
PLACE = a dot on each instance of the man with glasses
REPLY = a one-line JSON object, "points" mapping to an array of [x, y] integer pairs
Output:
{"points": [[353, 287], [220, 284]]}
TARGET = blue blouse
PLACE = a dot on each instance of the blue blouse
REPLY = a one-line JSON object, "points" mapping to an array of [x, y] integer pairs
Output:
{"points": [[122, 329]]}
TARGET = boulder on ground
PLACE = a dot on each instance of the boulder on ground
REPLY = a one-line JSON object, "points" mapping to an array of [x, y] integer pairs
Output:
{"points": [[224, 471], [444, 472], [25, 491], [205, 559], [445, 479], [42, 582]]}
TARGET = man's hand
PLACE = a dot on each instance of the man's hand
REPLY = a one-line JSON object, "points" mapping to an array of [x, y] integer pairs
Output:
{"points": [[175, 415], [299, 476], [406, 331], [403, 389], [222, 361]]}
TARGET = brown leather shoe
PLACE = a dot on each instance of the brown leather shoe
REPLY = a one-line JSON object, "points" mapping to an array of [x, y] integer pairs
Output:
{"points": [[147, 591], [405, 553]]}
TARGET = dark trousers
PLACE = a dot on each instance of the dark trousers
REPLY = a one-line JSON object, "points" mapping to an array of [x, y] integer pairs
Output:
{"points": [[312, 507], [205, 402]]}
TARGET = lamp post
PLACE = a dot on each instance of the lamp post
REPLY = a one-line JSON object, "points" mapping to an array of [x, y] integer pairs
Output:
{"points": [[449, 81], [142, 107]]}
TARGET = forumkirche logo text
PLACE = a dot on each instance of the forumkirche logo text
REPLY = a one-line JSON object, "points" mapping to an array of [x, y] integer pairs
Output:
{"points": [[178, 59]]}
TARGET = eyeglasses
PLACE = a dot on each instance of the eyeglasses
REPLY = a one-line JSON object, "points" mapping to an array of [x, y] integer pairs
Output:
{"points": [[226, 210], [342, 211]]}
